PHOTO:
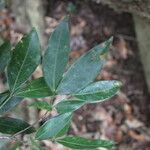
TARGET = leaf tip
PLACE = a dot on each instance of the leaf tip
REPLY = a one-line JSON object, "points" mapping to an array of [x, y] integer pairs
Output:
{"points": [[111, 144], [106, 45], [33, 29], [66, 18], [110, 40], [118, 84]]}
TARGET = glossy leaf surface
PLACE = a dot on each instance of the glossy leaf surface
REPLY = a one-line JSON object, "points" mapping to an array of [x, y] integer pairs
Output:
{"points": [[11, 126], [25, 59], [99, 91], [5, 55], [35, 89], [56, 55], [53, 126], [69, 105], [84, 70], [82, 143]]}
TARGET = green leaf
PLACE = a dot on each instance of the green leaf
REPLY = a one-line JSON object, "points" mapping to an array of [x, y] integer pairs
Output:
{"points": [[35, 89], [64, 130], [9, 103], [25, 59], [82, 143], [3, 96], [11, 126], [42, 105], [56, 55], [69, 105], [99, 91], [84, 70], [53, 126], [5, 55]]}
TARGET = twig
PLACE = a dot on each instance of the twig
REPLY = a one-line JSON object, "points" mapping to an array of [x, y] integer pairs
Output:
{"points": [[8, 138], [37, 121], [13, 137]]}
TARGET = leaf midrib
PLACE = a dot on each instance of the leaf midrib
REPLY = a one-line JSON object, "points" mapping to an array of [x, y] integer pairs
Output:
{"points": [[5, 101], [13, 89], [76, 144], [55, 63], [59, 130], [26, 91], [80, 94]]}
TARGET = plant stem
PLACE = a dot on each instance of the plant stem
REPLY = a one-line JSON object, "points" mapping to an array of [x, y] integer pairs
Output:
{"points": [[37, 121], [8, 138]]}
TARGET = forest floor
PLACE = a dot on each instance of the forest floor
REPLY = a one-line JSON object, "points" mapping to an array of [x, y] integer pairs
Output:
{"points": [[125, 118]]}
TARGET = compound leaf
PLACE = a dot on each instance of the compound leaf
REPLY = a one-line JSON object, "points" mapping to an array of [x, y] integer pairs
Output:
{"points": [[84, 70]]}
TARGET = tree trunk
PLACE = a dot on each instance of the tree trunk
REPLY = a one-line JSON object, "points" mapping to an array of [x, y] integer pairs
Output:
{"points": [[139, 7], [29, 13], [142, 27], [140, 10]]}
